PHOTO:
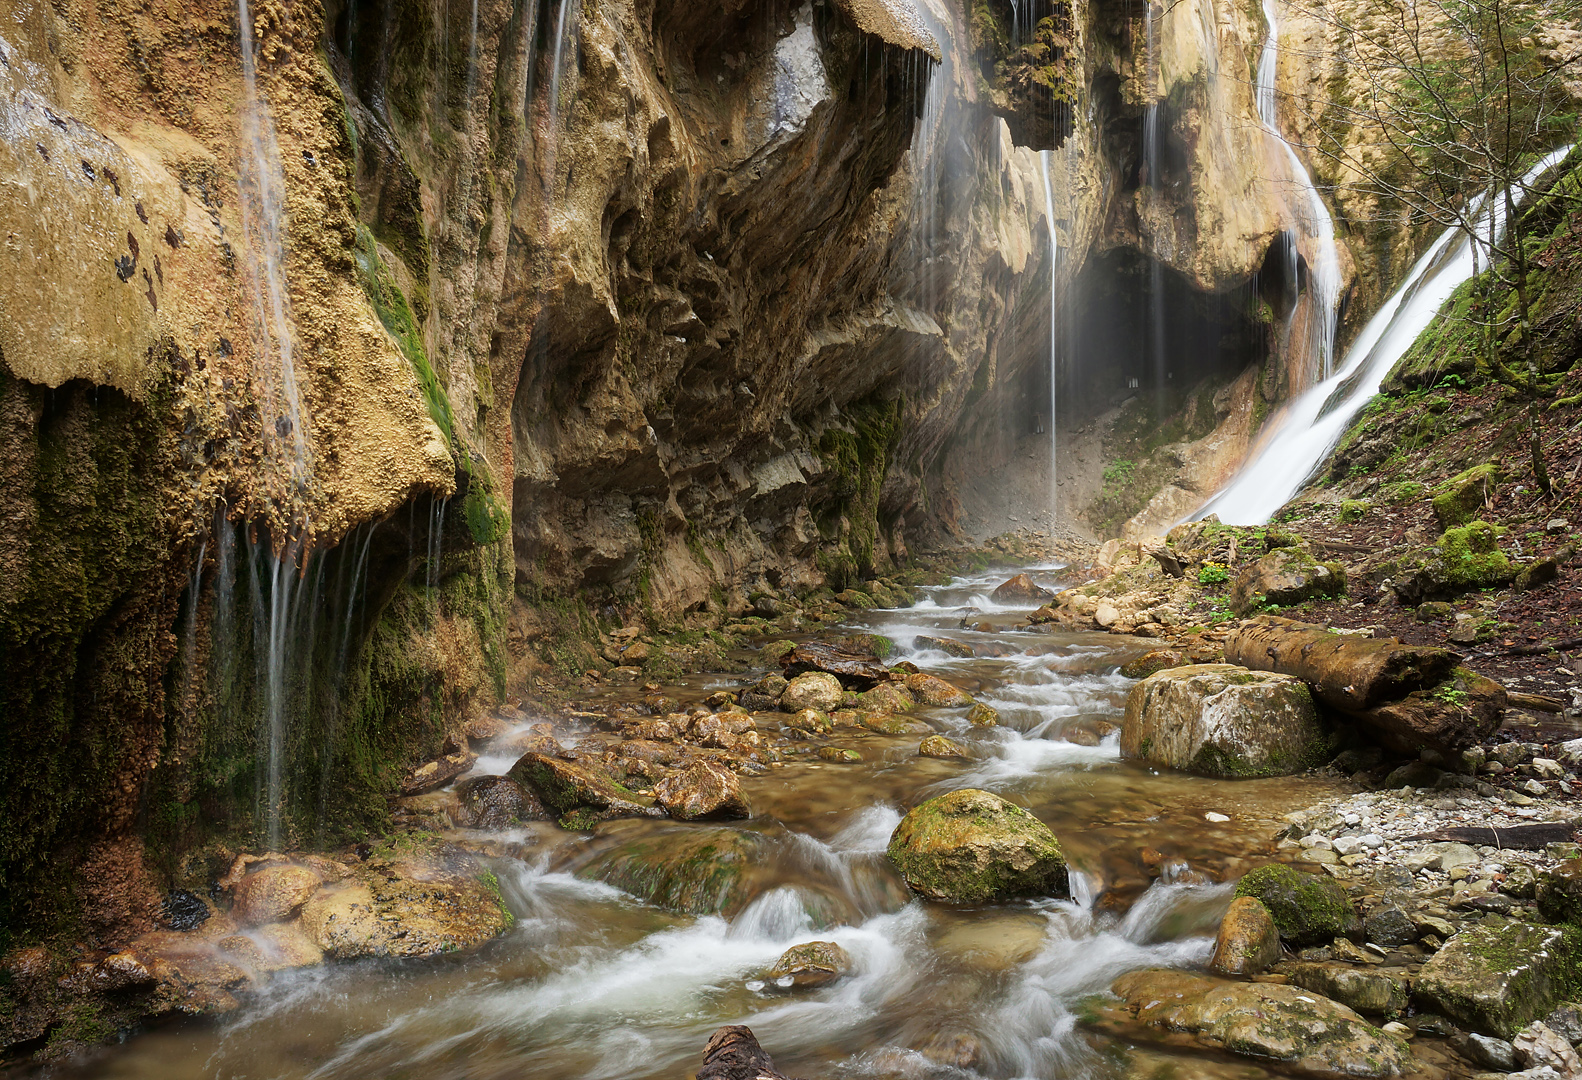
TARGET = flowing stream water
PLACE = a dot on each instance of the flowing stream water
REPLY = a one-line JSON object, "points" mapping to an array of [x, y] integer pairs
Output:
{"points": [[592, 983], [1301, 436]]}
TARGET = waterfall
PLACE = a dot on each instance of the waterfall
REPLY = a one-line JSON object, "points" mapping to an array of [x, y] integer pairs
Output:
{"points": [[261, 187], [1313, 423], [1054, 375], [1152, 179], [1323, 269]]}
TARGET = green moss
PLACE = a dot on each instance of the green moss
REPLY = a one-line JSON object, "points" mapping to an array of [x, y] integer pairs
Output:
{"points": [[855, 463], [1307, 909], [1352, 510], [1470, 557]]}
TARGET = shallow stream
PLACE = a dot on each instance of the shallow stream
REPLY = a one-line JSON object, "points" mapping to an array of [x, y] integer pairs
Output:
{"points": [[591, 983]]}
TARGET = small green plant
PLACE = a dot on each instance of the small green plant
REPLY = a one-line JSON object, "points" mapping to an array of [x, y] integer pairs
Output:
{"points": [[1453, 696], [1212, 573], [1119, 474], [1452, 381]]}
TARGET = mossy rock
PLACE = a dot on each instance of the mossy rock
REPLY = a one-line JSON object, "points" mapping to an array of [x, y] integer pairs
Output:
{"points": [[772, 653], [1286, 575], [1307, 909], [695, 871], [972, 846], [876, 645], [1458, 500], [1559, 893], [1498, 979], [1463, 559], [1353, 509]]}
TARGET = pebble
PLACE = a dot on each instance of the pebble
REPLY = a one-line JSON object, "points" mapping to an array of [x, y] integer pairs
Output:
{"points": [[1216, 817]]}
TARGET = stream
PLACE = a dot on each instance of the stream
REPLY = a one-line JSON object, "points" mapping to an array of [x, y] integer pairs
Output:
{"points": [[591, 983]]}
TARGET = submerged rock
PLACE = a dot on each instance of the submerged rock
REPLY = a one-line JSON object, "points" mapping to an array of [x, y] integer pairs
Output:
{"points": [[937, 746], [705, 789], [1307, 909], [981, 715], [1498, 979], [1221, 720], [1283, 1023], [694, 871], [970, 846], [814, 963], [1247, 942], [944, 645]]}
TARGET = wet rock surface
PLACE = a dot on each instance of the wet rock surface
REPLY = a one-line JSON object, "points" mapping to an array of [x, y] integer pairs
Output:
{"points": [[971, 846]]}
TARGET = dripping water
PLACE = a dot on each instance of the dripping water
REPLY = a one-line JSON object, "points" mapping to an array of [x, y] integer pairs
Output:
{"points": [[1151, 167], [1054, 374]]}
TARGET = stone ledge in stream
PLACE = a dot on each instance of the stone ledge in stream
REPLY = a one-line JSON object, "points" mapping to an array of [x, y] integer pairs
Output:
{"points": [[1297, 1028]]}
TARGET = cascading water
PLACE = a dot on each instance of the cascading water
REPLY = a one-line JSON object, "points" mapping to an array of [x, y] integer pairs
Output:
{"points": [[1314, 422], [261, 185], [1054, 373], [1323, 266], [1153, 181]]}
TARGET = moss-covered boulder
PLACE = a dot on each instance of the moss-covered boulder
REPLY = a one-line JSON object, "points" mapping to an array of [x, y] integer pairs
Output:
{"points": [[1140, 667], [1248, 941], [813, 690], [981, 715], [937, 746], [1463, 559], [1498, 979], [692, 870], [1307, 909], [581, 791], [972, 846], [1301, 1030], [1286, 576], [1458, 500], [889, 697], [1223, 720]]}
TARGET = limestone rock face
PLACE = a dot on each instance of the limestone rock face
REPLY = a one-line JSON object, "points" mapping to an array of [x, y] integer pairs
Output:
{"points": [[1221, 720], [1497, 979], [1285, 1023], [1286, 576], [1308, 909], [970, 846], [1247, 942]]}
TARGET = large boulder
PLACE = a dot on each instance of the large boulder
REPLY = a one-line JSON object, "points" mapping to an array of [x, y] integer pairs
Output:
{"points": [[705, 789], [274, 892], [812, 690], [1222, 720], [496, 802], [579, 791], [1020, 589], [1458, 500], [1287, 1024], [1463, 559], [1498, 979], [972, 846], [1248, 941], [1286, 576], [1307, 909]]}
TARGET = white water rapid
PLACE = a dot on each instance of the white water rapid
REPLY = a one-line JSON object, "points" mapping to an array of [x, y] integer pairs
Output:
{"points": [[1323, 267], [1312, 424]]}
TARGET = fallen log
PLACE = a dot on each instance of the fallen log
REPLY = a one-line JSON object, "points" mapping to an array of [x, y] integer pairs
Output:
{"points": [[1346, 672], [733, 1053], [1535, 702], [1514, 838], [1460, 712]]}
